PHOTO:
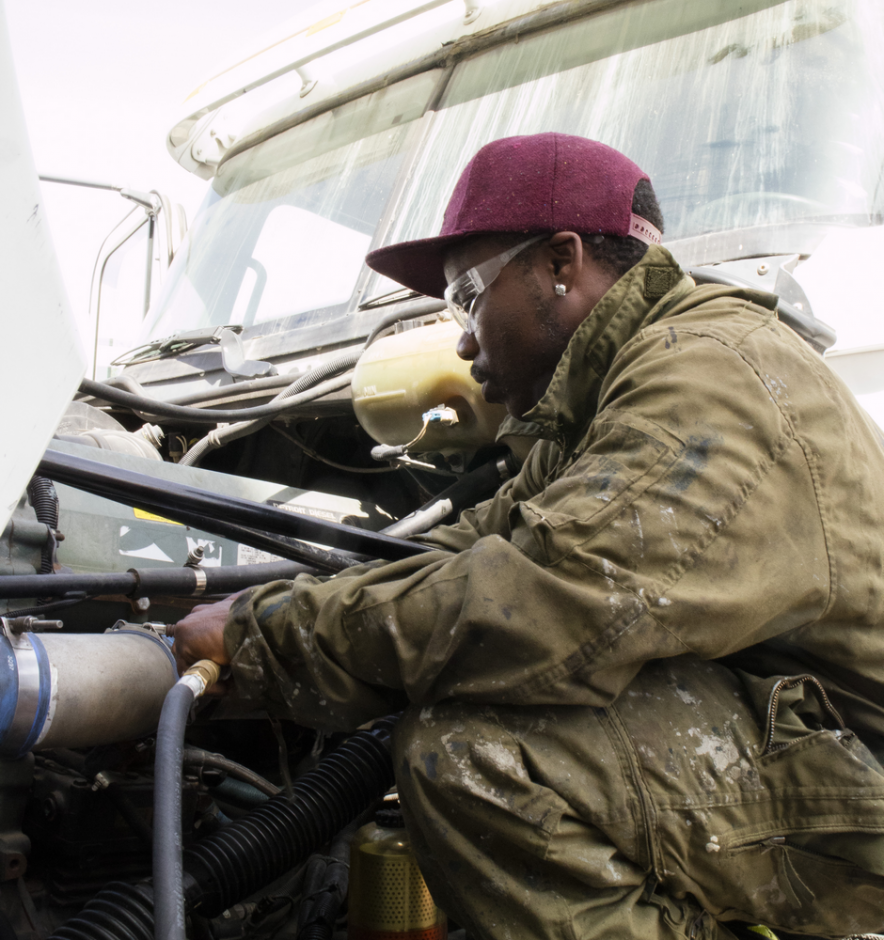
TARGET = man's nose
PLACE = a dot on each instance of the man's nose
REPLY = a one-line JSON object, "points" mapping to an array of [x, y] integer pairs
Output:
{"points": [[467, 347]]}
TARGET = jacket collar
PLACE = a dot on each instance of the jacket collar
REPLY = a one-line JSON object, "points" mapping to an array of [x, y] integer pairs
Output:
{"points": [[640, 297]]}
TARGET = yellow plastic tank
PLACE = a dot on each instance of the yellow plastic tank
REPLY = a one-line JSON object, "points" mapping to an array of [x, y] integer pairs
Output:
{"points": [[400, 377], [389, 899]]}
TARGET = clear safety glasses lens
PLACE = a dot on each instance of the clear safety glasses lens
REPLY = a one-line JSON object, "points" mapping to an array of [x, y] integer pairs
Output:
{"points": [[462, 293]]}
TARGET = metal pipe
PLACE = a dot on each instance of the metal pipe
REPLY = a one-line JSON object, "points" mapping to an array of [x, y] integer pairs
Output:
{"points": [[81, 690], [197, 758], [175, 500], [72, 181], [152, 582], [148, 274]]}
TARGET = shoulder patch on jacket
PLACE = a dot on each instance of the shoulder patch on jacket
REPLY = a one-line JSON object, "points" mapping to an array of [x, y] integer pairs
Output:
{"points": [[659, 281]]}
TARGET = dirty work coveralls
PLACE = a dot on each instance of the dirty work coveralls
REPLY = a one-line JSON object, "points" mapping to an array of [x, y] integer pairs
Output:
{"points": [[599, 741]]}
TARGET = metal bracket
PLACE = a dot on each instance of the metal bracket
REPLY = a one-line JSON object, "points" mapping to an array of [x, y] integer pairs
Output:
{"points": [[16, 626]]}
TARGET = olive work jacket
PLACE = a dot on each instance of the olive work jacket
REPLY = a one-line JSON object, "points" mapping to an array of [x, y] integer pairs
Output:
{"points": [[707, 487]]}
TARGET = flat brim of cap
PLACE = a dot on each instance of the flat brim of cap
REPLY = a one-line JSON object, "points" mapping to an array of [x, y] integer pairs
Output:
{"points": [[419, 264]]}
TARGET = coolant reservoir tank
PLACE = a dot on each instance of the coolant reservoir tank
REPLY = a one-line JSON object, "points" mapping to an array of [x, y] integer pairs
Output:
{"points": [[389, 899], [401, 377]]}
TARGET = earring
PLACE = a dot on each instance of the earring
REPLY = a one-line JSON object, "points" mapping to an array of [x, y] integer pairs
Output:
{"points": [[560, 290]]}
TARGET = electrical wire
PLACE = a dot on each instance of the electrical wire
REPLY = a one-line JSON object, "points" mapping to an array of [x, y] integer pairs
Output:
{"points": [[338, 466]]}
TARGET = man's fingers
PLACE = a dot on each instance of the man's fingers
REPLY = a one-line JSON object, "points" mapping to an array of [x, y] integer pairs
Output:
{"points": [[200, 635]]}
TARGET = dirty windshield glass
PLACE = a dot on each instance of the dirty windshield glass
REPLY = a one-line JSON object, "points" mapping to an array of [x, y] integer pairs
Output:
{"points": [[742, 121], [286, 225]]}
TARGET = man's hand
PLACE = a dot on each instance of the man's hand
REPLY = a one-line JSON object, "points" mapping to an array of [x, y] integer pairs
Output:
{"points": [[200, 635]]}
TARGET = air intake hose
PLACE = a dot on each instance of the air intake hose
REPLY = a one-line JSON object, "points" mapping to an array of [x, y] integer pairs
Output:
{"points": [[280, 835]]}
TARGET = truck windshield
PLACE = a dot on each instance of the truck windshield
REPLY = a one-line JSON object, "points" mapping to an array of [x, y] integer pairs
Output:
{"points": [[286, 224], [760, 123], [754, 125]]}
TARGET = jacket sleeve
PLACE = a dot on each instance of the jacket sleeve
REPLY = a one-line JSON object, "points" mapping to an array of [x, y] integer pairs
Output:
{"points": [[684, 524]]}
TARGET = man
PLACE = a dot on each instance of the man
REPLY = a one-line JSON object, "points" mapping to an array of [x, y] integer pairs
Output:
{"points": [[644, 681]]}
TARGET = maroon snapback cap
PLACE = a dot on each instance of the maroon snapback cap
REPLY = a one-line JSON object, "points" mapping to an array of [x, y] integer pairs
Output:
{"points": [[538, 183]]}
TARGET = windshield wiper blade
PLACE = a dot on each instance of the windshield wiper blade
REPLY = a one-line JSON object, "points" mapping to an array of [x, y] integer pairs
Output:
{"points": [[174, 345], [397, 296]]}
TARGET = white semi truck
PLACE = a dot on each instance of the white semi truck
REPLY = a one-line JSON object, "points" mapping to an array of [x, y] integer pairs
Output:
{"points": [[267, 418]]}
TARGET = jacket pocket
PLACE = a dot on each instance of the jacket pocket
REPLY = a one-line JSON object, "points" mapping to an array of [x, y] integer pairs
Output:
{"points": [[802, 887], [790, 708], [620, 465]]}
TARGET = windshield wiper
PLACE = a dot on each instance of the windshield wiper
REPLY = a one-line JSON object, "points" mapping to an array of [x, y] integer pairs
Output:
{"points": [[174, 345], [397, 296]]}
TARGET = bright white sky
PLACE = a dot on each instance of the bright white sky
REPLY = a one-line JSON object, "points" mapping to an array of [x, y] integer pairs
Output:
{"points": [[101, 82]]}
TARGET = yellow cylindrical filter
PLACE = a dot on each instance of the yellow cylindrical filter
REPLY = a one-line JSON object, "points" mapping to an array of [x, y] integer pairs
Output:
{"points": [[389, 899], [400, 377]]}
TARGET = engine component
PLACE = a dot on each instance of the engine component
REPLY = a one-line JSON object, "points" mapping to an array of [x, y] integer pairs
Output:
{"points": [[84, 424], [402, 377], [389, 899], [79, 690], [86, 831], [220, 437], [281, 834]]}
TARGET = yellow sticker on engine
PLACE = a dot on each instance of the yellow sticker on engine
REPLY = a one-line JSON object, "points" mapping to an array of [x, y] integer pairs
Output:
{"points": [[143, 514]]}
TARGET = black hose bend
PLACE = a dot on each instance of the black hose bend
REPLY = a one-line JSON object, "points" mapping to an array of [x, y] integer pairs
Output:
{"points": [[119, 912], [229, 865], [44, 499], [233, 863], [197, 758], [168, 871]]}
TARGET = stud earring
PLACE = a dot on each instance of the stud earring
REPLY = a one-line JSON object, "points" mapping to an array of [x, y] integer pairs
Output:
{"points": [[560, 290]]}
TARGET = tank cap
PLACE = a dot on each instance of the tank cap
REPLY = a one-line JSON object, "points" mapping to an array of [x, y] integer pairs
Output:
{"points": [[390, 817]]}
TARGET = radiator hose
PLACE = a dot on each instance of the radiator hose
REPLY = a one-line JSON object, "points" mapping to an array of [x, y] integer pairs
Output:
{"points": [[234, 862], [168, 871]]}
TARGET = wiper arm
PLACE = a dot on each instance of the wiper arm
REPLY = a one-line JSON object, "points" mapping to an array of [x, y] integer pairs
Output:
{"points": [[174, 345], [399, 295]]}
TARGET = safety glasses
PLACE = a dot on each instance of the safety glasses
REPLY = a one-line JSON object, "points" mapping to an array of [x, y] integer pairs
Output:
{"points": [[462, 293]]}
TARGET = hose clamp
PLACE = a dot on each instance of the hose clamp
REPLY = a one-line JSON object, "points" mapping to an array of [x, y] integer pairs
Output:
{"points": [[201, 581], [31, 714]]}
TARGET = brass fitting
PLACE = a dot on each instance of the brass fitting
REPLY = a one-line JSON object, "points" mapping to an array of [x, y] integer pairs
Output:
{"points": [[202, 675]]}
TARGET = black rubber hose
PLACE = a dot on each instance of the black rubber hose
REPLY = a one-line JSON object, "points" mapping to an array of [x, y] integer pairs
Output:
{"points": [[168, 870], [240, 794], [423, 308], [229, 865], [161, 409], [44, 500], [177, 499], [119, 912], [233, 863], [474, 486], [151, 582], [197, 758]]}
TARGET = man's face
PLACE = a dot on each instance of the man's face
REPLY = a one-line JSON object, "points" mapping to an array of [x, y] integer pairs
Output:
{"points": [[520, 330]]}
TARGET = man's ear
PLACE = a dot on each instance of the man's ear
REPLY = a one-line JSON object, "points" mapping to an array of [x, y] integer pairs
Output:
{"points": [[565, 258]]}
